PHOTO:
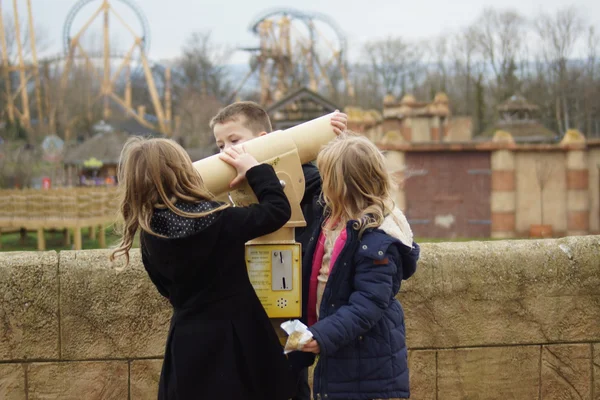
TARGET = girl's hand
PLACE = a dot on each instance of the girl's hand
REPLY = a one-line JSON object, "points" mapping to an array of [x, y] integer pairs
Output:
{"points": [[312, 347], [339, 121], [237, 157]]}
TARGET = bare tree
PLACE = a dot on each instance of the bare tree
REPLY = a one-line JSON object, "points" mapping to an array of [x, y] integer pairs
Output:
{"points": [[499, 39], [196, 110], [590, 91], [558, 35], [203, 65], [202, 86], [393, 60], [464, 52]]}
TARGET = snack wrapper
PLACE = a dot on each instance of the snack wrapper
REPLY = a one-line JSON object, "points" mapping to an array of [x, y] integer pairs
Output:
{"points": [[298, 335]]}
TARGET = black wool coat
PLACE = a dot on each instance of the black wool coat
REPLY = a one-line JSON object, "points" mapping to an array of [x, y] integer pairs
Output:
{"points": [[221, 344]]}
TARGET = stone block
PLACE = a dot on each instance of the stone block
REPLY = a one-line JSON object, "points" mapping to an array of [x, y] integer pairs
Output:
{"points": [[144, 377], [503, 181], [423, 370], [12, 382], [503, 160], [28, 305], [566, 372], [503, 221], [109, 313], [578, 179], [508, 292], [576, 159], [489, 373], [503, 202], [596, 371], [96, 380], [578, 221], [578, 200]]}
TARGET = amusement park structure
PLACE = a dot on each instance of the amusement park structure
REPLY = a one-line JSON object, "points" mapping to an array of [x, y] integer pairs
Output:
{"points": [[297, 49], [140, 42], [24, 70], [100, 65]]}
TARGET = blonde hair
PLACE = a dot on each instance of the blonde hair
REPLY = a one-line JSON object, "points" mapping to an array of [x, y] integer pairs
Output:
{"points": [[154, 172], [356, 184]]}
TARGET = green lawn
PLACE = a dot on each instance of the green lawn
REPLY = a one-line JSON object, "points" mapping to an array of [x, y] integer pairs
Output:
{"points": [[54, 241]]}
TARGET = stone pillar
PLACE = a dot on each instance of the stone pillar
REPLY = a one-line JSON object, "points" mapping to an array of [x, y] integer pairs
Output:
{"points": [[578, 197], [407, 129], [503, 201], [435, 129], [396, 164]]}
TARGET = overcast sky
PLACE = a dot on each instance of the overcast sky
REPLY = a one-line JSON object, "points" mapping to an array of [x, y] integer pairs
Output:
{"points": [[171, 21]]}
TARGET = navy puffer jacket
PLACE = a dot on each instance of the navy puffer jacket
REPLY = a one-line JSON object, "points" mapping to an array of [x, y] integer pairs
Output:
{"points": [[361, 329]]}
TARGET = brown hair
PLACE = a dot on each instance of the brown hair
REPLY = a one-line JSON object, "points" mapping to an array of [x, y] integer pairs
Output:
{"points": [[256, 118], [154, 172], [356, 184]]}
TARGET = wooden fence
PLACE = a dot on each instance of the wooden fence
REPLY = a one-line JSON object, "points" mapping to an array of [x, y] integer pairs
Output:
{"points": [[64, 208]]}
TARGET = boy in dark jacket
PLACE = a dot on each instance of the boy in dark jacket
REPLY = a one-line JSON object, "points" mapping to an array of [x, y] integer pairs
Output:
{"points": [[244, 121]]}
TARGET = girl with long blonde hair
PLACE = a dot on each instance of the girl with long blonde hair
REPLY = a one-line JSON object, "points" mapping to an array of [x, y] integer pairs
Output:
{"points": [[361, 253], [221, 344]]}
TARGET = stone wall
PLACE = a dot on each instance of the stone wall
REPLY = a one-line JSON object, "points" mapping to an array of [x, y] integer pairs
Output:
{"points": [[570, 173], [492, 320]]}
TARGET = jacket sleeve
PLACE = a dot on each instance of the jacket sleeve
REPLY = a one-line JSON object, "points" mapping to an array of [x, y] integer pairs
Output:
{"points": [[148, 267], [373, 287], [271, 213], [409, 257]]}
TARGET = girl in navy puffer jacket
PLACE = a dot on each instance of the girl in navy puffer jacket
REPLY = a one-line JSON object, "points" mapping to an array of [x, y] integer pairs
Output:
{"points": [[359, 257]]}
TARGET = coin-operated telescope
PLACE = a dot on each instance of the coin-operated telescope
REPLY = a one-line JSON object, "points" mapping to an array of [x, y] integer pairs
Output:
{"points": [[274, 261]]}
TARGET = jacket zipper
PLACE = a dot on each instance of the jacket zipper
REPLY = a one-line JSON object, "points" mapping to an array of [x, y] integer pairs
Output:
{"points": [[338, 261], [323, 360]]}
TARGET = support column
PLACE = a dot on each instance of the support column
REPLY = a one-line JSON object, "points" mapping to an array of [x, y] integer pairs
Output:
{"points": [[101, 236], [407, 130], [578, 198], [396, 164], [67, 237], [77, 238], [503, 201], [435, 130], [41, 239]]}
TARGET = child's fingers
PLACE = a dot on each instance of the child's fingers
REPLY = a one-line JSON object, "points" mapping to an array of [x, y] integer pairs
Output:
{"points": [[231, 152], [227, 158], [236, 181]]}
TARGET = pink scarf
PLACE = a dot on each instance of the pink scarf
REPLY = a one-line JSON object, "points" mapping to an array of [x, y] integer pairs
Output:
{"points": [[316, 266]]}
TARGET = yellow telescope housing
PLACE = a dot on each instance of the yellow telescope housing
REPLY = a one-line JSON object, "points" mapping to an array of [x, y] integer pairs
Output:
{"points": [[274, 261]]}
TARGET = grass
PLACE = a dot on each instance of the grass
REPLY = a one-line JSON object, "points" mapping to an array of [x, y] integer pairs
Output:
{"points": [[54, 241], [444, 240]]}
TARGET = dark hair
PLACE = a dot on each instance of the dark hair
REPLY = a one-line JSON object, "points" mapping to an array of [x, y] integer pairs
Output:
{"points": [[256, 118]]}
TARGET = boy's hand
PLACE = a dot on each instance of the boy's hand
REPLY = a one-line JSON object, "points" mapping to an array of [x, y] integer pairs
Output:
{"points": [[312, 347], [238, 158], [339, 120]]}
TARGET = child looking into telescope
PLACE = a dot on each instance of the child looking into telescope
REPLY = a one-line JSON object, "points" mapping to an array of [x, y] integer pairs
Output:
{"points": [[221, 344], [243, 121], [362, 250]]}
